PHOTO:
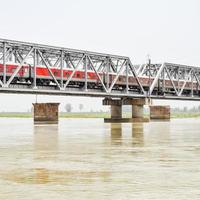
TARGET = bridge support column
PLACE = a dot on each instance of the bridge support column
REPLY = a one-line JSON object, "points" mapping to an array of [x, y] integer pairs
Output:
{"points": [[138, 110], [160, 112], [46, 113], [116, 110]]}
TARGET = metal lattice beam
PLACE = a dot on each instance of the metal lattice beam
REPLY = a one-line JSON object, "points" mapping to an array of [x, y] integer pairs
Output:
{"points": [[104, 74]]}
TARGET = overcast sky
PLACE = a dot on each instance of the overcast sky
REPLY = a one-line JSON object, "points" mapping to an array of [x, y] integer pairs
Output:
{"points": [[168, 30]]}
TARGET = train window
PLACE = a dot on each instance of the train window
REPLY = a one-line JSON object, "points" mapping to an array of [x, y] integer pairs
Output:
{"points": [[12, 70], [55, 73], [120, 79], [78, 75], [94, 76], [67, 75], [83, 76]]}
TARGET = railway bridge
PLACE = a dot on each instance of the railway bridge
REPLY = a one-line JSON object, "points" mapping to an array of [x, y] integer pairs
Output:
{"points": [[29, 68]]}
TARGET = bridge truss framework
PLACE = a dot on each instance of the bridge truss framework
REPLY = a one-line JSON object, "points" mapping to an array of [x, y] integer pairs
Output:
{"points": [[23, 53]]}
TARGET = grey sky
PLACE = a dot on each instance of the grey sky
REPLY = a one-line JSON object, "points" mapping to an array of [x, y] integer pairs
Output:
{"points": [[168, 30]]}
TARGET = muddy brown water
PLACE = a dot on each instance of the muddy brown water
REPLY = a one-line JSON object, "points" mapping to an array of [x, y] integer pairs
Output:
{"points": [[87, 159]]}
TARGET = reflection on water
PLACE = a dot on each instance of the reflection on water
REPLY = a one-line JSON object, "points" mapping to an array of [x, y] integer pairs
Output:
{"points": [[87, 159], [61, 177], [116, 133], [138, 134], [45, 141]]}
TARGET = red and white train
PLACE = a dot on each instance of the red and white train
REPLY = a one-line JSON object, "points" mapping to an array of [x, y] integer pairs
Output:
{"points": [[26, 75]]}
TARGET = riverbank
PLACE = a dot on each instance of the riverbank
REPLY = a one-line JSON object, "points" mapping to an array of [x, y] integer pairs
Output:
{"points": [[91, 115]]}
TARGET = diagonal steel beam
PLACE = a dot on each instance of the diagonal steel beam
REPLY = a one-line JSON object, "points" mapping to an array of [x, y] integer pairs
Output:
{"points": [[68, 59], [18, 56], [139, 69], [1, 83], [7, 53], [92, 65], [155, 68], [132, 68], [75, 69], [197, 79], [156, 79], [47, 60], [19, 67], [143, 70], [185, 81], [113, 66], [48, 67], [57, 61], [168, 74], [117, 76], [101, 66]]}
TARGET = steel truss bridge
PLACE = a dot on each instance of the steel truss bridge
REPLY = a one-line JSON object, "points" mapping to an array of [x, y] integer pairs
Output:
{"points": [[159, 81]]}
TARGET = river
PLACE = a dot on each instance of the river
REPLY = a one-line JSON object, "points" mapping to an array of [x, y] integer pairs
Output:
{"points": [[87, 159]]}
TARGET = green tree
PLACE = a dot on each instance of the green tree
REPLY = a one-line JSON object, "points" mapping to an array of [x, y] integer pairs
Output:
{"points": [[68, 107], [80, 107]]}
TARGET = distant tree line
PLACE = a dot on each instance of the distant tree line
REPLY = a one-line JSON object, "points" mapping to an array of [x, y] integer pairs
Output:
{"points": [[69, 107], [194, 109]]}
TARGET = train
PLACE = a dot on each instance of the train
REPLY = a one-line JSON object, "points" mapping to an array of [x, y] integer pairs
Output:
{"points": [[44, 78]]}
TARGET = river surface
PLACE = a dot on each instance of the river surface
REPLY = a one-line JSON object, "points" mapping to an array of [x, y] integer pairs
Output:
{"points": [[87, 159]]}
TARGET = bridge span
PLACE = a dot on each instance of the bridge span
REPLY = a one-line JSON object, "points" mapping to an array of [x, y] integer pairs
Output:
{"points": [[42, 69], [29, 68]]}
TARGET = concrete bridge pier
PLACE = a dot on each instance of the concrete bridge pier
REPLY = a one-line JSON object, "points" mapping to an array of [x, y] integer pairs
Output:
{"points": [[45, 113], [138, 109], [160, 113], [116, 110]]}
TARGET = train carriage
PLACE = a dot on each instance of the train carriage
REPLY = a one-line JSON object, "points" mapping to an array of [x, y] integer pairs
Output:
{"points": [[26, 75]]}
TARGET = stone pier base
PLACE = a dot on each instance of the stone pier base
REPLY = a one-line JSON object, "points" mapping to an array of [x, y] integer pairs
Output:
{"points": [[138, 110], [160, 112], [46, 113], [116, 110]]}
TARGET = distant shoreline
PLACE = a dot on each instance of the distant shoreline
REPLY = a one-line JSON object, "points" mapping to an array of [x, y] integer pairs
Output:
{"points": [[90, 115]]}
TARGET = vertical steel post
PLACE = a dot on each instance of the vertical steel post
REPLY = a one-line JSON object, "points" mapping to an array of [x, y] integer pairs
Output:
{"points": [[149, 75], [127, 78], [163, 85], [192, 87], [86, 75], [61, 68], [178, 80], [35, 69], [15, 56], [4, 63], [37, 59], [107, 73]]}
